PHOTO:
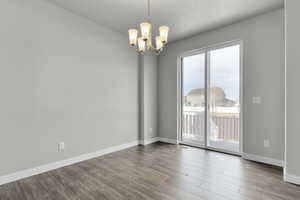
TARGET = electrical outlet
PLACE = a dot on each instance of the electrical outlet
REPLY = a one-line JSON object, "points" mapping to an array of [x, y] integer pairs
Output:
{"points": [[267, 143], [256, 100], [61, 146]]}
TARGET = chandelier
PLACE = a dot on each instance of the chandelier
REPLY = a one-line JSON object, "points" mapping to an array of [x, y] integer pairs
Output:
{"points": [[144, 41]]}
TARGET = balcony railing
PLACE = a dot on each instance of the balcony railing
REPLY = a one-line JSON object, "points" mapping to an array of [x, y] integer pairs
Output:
{"points": [[223, 126]]}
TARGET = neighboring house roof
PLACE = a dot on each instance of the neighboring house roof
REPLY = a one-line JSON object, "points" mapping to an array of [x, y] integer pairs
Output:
{"points": [[215, 91], [217, 95]]}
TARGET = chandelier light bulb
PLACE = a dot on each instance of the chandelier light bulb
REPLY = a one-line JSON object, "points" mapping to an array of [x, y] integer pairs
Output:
{"points": [[163, 32], [141, 45], [133, 33], [159, 43], [145, 30]]}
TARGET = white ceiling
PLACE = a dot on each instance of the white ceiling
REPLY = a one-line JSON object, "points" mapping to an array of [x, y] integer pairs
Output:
{"points": [[184, 17]]}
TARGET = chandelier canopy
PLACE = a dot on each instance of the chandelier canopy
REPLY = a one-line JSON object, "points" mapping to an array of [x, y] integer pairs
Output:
{"points": [[144, 41]]}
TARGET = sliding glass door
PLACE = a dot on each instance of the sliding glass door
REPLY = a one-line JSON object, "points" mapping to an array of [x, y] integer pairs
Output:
{"points": [[224, 98], [210, 98], [193, 99]]}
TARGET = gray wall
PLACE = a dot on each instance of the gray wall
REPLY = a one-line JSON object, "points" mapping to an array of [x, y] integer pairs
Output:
{"points": [[62, 78], [263, 75], [148, 95], [292, 91]]}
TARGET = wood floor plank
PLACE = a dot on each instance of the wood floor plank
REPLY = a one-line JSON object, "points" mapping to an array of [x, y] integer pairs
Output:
{"points": [[157, 172]]}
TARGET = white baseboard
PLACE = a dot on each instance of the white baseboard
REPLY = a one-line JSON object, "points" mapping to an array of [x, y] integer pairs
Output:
{"points": [[291, 178], [262, 159], [158, 139], [149, 141], [167, 140], [55, 165]]}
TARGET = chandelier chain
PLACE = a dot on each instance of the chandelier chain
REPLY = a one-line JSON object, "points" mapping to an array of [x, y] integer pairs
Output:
{"points": [[148, 9]]}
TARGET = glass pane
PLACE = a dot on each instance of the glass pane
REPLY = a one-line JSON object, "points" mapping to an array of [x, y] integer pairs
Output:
{"points": [[224, 99], [193, 91]]}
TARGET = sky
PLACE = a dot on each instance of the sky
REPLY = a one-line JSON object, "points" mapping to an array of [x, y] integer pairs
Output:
{"points": [[224, 71]]}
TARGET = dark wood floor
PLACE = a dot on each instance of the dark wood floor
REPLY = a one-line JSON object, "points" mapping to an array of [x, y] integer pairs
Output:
{"points": [[158, 171]]}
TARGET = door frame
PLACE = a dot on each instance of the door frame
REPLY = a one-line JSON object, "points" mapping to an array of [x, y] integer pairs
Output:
{"points": [[206, 50]]}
